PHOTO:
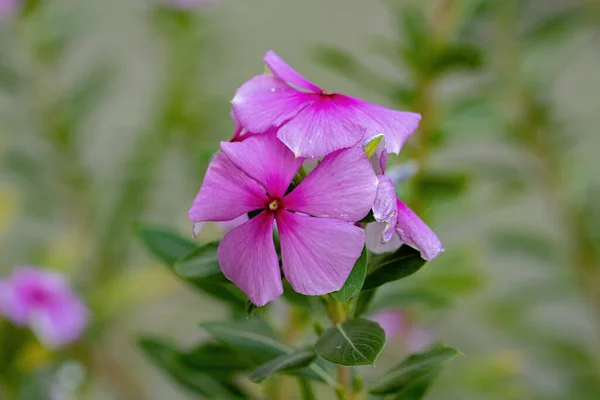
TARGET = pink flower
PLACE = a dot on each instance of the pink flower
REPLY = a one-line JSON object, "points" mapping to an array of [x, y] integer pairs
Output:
{"points": [[319, 241], [43, 300], [8, 8], [313, 122], [392, 215], [397, 325]]}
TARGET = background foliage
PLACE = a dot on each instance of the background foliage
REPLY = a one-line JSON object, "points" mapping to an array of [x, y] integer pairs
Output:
{"points": [[111, 110]]}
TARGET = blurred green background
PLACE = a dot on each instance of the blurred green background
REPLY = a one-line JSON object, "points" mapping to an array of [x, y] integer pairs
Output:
{"points": [[110, 111]]}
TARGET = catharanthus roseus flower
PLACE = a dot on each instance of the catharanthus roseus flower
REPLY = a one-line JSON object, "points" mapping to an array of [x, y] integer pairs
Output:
{"points": [[313, 122], [397, 325], [44, 301], [8, 8], [315, 221], [392, 215]]}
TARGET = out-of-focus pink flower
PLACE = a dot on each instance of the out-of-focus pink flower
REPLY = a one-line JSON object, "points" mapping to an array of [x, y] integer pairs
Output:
{"points": [[44, 301], [313, 122], [397, 326], [8, 8], [319, 241]]}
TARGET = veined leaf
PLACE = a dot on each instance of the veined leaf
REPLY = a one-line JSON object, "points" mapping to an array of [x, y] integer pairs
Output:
{"points": [[202, 263], [164, 245], [286, 362], [391, 267], [354, 342]]}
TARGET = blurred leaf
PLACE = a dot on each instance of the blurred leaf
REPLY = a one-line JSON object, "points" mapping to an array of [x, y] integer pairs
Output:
{"points": [[354, 342], [168, 358], [531, 244], [417, 389], [555, 27], [89, 91], [294, 297], [202, 263], [442, 185], [9, 78], [170, 247], [393, 266], [214, 356], [355, 280], [420, 296], [164, 245], [455, 56], [255, 339], [414, 30], [286, 362], [401, 376]]}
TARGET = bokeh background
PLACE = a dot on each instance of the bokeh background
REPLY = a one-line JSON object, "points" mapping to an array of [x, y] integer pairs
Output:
{"points": [[110, 111]]}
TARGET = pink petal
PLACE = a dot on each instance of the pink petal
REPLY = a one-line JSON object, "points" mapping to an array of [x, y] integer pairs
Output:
{"points": [[226, 193], [283, 71], [265, 159], [266, 101], [385, 208], [374, 232], [415, 233], [342, 186], [393, 322], [397, 126], [317, 253], [322, 128], [248, 258], [61, 323]]}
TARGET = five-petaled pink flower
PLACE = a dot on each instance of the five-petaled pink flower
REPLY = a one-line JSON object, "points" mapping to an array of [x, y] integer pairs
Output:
{"points": [[313, 122], [318, 237], [44, 301]]}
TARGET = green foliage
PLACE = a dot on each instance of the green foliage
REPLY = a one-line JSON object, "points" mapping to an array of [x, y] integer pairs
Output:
{"points": [[164, 245], [393, 266], [355, 280], [286, 362], [404, 376], [201, 263], [172, 362], [354, 342]]}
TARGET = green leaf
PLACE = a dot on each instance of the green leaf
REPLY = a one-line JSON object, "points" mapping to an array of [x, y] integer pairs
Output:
{"points": [[215, 356], [299, 359], [354, 342], [418, 388], [455, 56], [202, 263], [256, 340], [391, 267], [355, 280], [168, 358], [442, 185], [416, 366], [164, 245], [372, 145], [363, 302]]}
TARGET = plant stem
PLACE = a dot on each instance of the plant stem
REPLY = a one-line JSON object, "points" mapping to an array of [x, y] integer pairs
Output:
{"points": [[338, 313], [306, 390]]}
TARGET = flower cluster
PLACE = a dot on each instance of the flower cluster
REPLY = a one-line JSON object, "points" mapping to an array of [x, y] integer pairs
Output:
{"points": [[43, 300], [282, 122]]}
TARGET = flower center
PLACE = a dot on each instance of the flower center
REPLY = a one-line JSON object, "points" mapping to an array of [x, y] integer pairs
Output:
{"points": [[274, 205]]}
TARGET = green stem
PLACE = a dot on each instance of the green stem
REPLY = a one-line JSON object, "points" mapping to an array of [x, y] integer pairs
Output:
{"points": [[306, 390], [338, 313]]}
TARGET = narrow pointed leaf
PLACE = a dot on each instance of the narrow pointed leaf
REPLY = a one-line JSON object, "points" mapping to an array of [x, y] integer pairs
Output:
{"points": [[355, 342], [201, 263], [286, 362], [412, 368], [417, 389], [168, 358], [164, 245], [256, 340], [355, 280], [215, 356], [391, 267]]}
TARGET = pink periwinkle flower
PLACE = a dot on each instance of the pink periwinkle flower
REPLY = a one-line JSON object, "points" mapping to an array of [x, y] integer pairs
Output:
{"points": [[44, 301], [315, 221], [313, 122], [8, 8], [397, 325], [392, 215]]}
